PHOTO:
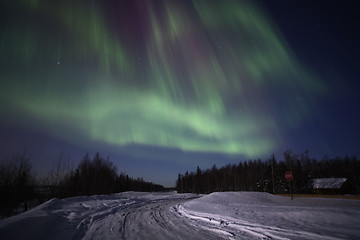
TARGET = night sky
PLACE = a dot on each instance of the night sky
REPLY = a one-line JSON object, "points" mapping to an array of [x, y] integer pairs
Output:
{"points": [[163, 86]]}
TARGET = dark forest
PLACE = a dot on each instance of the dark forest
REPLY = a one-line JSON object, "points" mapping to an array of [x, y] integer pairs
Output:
{"points": [[268, 175], [21, 189]]}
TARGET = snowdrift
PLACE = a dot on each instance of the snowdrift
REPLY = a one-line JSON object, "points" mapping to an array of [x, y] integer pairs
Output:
{"points": [[262, 215]]}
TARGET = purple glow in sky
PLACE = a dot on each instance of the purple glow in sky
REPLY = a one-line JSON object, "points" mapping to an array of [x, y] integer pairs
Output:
{"points": [[164, 86]]}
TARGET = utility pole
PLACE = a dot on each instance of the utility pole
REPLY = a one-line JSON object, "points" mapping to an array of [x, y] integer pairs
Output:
{"points": [[272, 173]]}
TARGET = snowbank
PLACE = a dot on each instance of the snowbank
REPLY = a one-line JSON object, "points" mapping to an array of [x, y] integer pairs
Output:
{"points": [[253, 214]]}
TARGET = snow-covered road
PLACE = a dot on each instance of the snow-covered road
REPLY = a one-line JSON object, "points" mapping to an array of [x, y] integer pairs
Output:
{"points": [[155, 220], [122, 216], [239, 215]]}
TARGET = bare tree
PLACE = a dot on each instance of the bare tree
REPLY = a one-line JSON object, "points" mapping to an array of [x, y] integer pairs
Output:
{"points": [[61, 170], [16, 182]]}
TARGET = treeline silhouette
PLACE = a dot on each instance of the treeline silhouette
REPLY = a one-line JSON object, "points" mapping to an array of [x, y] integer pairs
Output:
{"points": [[99, 176], [16, 183], [19, 186], [268, 175]]}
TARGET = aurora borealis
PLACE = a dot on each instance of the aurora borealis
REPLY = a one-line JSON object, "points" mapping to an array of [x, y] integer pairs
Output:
{"points": [[164, 83]]}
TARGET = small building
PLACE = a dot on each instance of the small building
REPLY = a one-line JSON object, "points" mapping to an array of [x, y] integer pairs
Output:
{"points": [[332, 186]]}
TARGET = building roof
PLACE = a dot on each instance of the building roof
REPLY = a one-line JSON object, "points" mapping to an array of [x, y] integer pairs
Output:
{"points": [[329, 183]]}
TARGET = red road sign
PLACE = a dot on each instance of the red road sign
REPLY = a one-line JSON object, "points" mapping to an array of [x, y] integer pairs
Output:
{"points": [[288, 175]]}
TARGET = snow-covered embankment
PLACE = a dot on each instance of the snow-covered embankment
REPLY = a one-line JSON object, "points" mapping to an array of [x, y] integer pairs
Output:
{"points": [[242, 215]]}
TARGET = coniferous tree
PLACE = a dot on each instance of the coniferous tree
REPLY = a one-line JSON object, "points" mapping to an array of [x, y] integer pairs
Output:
{"points": [[268, 176]]}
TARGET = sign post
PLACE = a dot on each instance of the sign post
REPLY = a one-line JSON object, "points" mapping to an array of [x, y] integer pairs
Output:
{"points": [[289, 177]]}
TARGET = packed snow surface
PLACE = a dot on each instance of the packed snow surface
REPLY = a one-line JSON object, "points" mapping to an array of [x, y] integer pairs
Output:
{"points": [[229, 215]]}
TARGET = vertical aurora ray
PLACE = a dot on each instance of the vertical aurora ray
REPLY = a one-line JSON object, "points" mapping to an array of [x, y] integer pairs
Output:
{"points": [[206, 76]]}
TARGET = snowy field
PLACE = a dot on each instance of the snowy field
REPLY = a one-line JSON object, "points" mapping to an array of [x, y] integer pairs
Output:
{"points": [[230, 215]]}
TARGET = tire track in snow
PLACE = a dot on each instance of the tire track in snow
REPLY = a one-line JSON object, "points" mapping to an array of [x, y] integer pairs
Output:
{"points": [[142, 219], [155, 220]]}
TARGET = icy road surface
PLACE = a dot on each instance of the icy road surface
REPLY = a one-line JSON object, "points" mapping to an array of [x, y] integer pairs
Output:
{"points": [[232, 215]]}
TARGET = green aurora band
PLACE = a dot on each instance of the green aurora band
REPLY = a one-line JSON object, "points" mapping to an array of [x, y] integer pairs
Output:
{"points": [[201, 78]]}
